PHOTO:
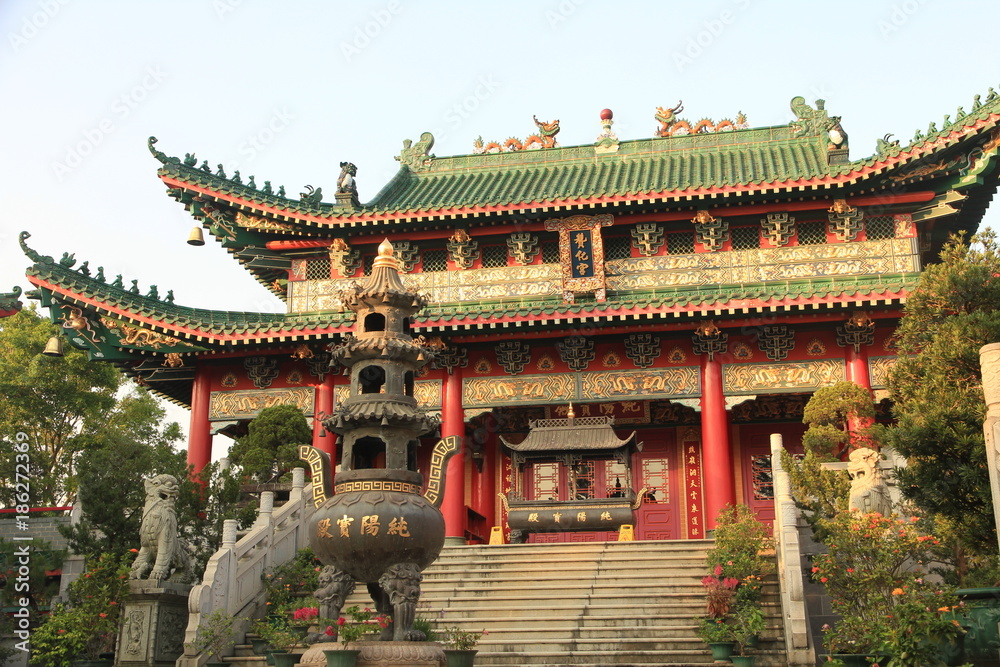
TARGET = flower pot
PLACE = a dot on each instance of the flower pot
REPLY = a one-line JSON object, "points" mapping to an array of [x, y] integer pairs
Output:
{"points": [[982, 612], [721, 650], [752, 642], [345, 657], [286, 659], [269, 654], [258, 646], [460, 658], [855, 659], [743, 660]]}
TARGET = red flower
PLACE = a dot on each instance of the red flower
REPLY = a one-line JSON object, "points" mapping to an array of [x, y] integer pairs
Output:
{"points": [[815, 570], [850, 569], [341, 620], [103, 615], [822, 580], [135, 551], [329, 632]]}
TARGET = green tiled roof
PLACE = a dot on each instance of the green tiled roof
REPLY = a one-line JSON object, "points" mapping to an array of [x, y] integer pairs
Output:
{"points": [[669, 167], [218, 326]]}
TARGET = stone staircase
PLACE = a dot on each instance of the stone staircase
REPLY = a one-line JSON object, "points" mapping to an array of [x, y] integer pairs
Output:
{"points": [[595, 603]]}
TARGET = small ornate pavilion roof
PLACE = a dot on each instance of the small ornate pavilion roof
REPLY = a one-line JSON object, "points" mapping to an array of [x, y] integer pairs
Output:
{"points": [[583, 434]]}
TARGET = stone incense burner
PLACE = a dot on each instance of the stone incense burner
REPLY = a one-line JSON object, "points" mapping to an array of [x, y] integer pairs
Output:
{"points": [[377, 527]]}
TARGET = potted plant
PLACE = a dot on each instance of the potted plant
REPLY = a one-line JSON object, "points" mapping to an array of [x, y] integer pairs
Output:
{"points": [[281, 639], [460, 646], [215, 635], [303, 618], [287, 583], [745, 627], [361, 625], [872, 575], [714, 631]]}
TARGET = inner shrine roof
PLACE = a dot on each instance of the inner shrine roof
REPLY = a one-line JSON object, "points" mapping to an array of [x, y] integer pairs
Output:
{"points": [[584, 434]]}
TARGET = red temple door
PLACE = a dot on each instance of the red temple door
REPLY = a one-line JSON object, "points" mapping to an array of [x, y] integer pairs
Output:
{"points": [[655, 468], [758, 487]]}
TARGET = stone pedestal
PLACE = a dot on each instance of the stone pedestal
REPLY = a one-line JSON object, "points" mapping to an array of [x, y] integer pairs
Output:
{"points": [[153, 623], [381, 654]]}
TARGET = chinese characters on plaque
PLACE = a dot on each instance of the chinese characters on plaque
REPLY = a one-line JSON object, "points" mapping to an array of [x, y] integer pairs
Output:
{"points": [[581, 253]]}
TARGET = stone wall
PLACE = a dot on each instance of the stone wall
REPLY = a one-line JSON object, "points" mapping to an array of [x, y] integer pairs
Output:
{"points": [[39, 527]]}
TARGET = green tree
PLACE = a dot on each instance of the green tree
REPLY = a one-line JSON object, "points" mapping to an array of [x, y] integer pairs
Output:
{"points": [[50, 400], [936, 386], [112, 494], [269, 451], [838, 419]]}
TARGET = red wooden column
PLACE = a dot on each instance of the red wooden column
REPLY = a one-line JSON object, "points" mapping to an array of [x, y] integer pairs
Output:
{"points": [[716, 456], [856, 334], [322, 440], [200, 431], [453, 423]]}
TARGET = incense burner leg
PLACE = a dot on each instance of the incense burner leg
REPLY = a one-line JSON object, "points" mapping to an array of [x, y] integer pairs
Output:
{"points": [[384, 607], [402, 584], [334, 588]]}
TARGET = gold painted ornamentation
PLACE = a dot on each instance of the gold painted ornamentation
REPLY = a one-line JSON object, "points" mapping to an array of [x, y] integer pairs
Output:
{"points": [[757, 378], [173, 360], [136, 337], [376, 485], [443, 448], [317, 475], [247, 403], [254, 222]]}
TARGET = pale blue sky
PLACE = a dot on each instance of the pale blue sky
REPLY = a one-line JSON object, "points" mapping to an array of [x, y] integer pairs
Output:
{"points": [[288, 90]]}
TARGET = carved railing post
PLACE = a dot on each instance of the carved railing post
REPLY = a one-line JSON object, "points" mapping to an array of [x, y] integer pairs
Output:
{"points": [[786, 546], [989, 361]]}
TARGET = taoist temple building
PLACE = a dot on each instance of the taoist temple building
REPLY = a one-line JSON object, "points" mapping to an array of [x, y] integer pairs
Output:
{"points": [[696, 287]]}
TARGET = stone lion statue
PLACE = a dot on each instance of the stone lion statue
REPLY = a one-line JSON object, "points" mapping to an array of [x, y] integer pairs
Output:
{"points": [[162, 554], [869, 492]]}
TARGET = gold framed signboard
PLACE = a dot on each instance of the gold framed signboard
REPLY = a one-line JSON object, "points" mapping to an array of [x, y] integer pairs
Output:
{"points": [[581, 253]]}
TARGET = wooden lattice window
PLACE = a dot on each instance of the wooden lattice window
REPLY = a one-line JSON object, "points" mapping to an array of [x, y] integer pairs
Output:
{"points": [[434, 260], [656, 479], [584, 480], [550, 252], [494, 256], [746, 238], [617, 248], [318, 269], [680, 243], [761, 477], [367, 263], [812, 233], [616, 479], [544, 481], [880, 227]]}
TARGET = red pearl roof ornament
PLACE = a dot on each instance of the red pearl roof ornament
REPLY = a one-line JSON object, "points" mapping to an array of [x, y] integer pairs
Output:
{"points": [[607, 141]]}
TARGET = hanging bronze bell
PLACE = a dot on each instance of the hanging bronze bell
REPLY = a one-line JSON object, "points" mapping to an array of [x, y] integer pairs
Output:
{"points": [[196, 237], [54, 348]]}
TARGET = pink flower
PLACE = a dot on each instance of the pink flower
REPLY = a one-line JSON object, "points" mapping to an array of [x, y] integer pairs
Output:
{"points": [[718, 570], [329, 632]]}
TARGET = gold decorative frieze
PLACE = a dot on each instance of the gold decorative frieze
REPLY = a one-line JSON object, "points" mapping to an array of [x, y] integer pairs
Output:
{"points": [[764, 264], [247, 403], [878, 370], [560, 388], [792, 375], [555, 388], [651, 383], [376, 485]]}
